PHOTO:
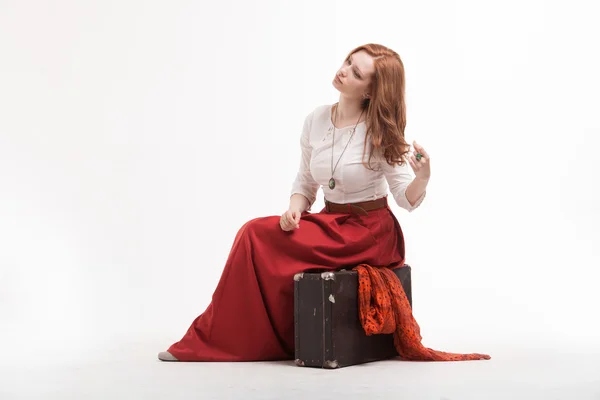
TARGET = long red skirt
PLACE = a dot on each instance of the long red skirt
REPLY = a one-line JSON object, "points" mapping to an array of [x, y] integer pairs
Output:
{"points": [[251, 316]]}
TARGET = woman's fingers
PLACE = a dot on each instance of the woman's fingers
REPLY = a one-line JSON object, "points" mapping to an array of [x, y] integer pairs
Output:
{"points": [[420, 149], [290, 219], [412, 163], [283, 223], [296, 216]]}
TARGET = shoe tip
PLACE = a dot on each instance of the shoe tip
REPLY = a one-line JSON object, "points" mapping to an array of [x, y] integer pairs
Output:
{"points": [[166, 356]]}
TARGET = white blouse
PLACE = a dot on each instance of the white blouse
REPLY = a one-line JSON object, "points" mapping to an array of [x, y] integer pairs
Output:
{"points": [[353, 182]]}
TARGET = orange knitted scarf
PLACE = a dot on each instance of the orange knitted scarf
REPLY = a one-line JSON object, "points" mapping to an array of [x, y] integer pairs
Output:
{"points": [[384, 308]]}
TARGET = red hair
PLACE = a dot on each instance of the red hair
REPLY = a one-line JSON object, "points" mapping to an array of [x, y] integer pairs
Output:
{"points": [[386, 107]]}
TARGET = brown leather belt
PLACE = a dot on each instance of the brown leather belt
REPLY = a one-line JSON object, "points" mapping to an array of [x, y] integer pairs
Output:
{"points": [[360, 208]]}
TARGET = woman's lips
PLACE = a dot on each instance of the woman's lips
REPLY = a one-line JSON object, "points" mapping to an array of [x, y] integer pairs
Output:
{"points": [[337, 78]]}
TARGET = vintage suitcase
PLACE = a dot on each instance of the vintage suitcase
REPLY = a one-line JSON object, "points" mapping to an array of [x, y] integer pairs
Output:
{"points": [[328, 333]]}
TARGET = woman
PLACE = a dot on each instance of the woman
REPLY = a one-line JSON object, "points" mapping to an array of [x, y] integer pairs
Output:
{"points": [[354, 150]]}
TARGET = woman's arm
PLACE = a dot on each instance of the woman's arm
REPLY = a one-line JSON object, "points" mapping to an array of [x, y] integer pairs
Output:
{"points": [[416, 190], [408, 191], [304, 188], [299, 202]]}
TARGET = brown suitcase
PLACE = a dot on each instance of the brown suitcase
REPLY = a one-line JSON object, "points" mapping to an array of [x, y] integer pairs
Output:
{"points": [[328, 332]]}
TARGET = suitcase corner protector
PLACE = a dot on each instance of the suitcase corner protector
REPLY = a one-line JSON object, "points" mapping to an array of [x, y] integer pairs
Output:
{"points": [[331, 364], [299, 362], [328, 276], [298, 276]]}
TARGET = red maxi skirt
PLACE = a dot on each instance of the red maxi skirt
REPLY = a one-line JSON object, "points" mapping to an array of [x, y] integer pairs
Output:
{"points": [[251, 316]]}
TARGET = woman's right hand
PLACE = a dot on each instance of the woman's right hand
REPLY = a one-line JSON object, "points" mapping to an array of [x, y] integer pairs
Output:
{"points": [[290, 220]]}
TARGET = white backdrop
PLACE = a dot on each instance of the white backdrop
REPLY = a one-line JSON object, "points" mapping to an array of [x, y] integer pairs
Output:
{"points": [[136, 137]]}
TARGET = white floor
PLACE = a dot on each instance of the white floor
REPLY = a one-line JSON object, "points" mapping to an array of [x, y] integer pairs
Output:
{"points": [[134, 373]]}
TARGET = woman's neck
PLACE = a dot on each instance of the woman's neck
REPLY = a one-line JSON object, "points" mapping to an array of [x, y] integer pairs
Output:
{"points": [[348, 110]]}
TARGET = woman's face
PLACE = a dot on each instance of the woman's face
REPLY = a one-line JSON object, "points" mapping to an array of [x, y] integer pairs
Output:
{"points": [[353, 79]]}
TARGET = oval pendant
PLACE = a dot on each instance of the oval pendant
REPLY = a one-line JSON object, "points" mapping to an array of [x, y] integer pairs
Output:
{"points": [[331, 183]]}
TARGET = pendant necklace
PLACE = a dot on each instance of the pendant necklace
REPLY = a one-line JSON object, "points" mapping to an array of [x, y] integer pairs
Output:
{"points": [[332, 181]]}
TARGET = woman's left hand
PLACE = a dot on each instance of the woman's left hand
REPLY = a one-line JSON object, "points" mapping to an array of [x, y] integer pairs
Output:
{"points": [[420, 167]]}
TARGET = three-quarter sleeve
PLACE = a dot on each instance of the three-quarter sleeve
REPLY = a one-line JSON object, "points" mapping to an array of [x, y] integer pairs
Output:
{"points": [[304, 183], [398, 179]]}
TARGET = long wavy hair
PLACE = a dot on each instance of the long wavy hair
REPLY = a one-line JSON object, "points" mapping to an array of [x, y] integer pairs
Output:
{"points": [[386, 107]]}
